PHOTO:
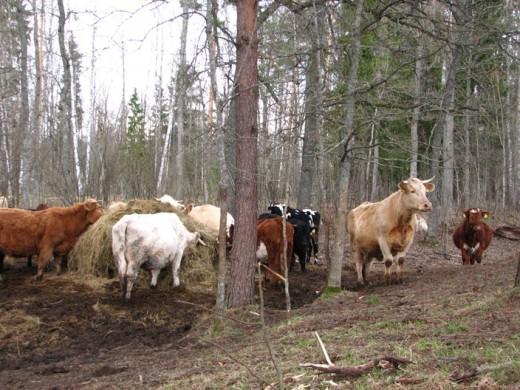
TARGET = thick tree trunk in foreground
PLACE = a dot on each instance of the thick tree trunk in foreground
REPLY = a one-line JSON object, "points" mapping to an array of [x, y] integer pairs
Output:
{"points": [[243, 255]]}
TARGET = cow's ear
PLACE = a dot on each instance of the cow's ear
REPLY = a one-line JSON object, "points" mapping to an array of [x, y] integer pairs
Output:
{"points": [[485, 214], [404, 186], [466, 213], [188, 208], [429, 187]]}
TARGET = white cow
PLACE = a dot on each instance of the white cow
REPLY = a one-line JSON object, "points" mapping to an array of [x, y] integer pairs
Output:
{"points": [[209, 216], [3, 202], [385, 230], [116, 206], [152, 241], [167, 199]]}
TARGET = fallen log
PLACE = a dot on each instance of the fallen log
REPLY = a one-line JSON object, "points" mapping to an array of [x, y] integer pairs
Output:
{"points": [[385, 362], [508, 231], [473, 373]]}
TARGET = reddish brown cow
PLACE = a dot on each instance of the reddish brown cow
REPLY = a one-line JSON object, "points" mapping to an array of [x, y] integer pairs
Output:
{"points": [[473, 235], [270, 245], [45, 233]]}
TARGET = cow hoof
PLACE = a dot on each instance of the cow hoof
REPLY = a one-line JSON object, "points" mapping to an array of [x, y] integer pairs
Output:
{"points": [[153, 286], [38, 278], [360, 285]]}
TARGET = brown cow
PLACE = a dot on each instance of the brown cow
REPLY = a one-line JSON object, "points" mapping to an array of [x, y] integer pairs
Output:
{"points": [[41, 206], [384, 230], [45, 233], [270, 245], [473, 235]]}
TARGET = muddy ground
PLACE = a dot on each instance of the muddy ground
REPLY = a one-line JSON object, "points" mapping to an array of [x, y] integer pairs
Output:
{"points": [[75, 332]]}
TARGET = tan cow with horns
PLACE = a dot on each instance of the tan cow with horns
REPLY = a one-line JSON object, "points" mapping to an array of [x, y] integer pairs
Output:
{"points": [[384, 230]]}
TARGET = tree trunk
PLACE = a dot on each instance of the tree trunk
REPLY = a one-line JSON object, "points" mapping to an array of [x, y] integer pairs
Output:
{"points": [[182, 82], [467, 200], [23, 119], [243, 254], [312, 131], [65, 121], [91, 134], [417, 108], [334, 277], [211, 32]]}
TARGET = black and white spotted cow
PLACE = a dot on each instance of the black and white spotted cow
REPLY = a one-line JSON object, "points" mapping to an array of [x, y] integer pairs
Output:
{"points": [[311, 217]]}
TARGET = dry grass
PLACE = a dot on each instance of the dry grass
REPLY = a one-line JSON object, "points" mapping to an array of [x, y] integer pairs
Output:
{"points": [[92, 254], [17, 323]]}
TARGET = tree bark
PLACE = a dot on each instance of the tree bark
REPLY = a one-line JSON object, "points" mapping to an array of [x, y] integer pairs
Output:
{"points": [[182, 76], [312, 131], [23, 119], [66, 125], [215, 125], [243, 254], [417, 108], [334, 277]]}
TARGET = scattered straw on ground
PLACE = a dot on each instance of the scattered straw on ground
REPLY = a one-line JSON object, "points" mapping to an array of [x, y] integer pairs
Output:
{"points": [[17, 323], [92, 254]]}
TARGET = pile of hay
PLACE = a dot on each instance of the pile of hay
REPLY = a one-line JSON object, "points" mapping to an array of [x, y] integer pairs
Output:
{"points": [[92, 254]]}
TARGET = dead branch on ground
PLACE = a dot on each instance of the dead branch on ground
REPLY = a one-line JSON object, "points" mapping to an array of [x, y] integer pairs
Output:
{"points": [[508, 231], [473, 373], [385, 362]]}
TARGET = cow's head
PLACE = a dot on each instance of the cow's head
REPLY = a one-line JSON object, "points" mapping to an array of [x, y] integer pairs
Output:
{"points": [[277, 208], [475, 215], [414, 194], [94, 210], [167, 199]]}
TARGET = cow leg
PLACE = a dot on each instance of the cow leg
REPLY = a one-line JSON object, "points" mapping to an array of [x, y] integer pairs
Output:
{"points": [[302, 259], [58, 259], [29, 262], [400, 263], [293, 261], [465, 257], [360, 268], [131, 276], [175, 269], [155, 275], [44, 256], [388, 273], [365, 271]]}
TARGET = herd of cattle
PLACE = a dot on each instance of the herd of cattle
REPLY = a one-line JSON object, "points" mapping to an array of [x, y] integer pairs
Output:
{"points": [[382, 230]]}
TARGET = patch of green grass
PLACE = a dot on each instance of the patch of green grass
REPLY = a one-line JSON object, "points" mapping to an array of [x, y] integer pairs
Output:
{"points": [[373, 300], [330, 292], [436, 346], [454, 327], [385, 324]]}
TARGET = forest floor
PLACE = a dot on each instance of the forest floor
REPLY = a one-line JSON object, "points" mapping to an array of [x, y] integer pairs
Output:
{"points": [[75, 332]]}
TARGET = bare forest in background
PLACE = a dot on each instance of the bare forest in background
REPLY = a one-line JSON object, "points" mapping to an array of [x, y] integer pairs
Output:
{"points": [[353, 96]]}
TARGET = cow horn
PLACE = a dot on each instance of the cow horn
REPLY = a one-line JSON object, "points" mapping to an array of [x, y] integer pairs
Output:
{"points": [[429, 180], [202, 242]]}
